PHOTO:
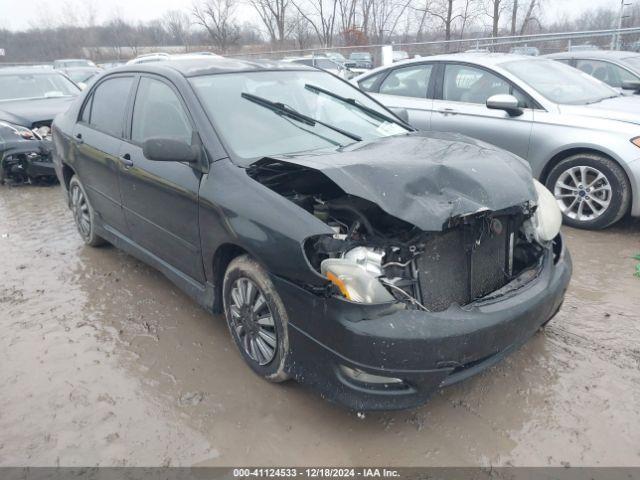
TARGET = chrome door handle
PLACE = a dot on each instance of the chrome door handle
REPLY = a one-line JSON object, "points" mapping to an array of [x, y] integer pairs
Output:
{"points": [[126, 160]]}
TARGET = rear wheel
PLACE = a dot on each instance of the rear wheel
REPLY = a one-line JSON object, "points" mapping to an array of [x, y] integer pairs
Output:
{"points": [[256, 318], [591, 190], [83, 213]]}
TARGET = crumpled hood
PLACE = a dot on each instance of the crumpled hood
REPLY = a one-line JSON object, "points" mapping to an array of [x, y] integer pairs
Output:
{"points": [[27, 112], [426, 178], [623, 109]]}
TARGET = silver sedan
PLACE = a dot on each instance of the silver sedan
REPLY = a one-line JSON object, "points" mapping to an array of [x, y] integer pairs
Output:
{"points": [[580, 136]]}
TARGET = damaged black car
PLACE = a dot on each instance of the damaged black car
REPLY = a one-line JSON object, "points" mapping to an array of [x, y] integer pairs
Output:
{"points": [[29, 101], [371, 262]]}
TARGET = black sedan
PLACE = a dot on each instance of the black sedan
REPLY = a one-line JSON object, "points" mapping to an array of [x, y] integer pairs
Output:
{"points": [[371, 262], [29, 100]]}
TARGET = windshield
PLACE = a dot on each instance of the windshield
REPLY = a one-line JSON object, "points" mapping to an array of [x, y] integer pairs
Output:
{"points": [[559, 82], [633, 62], [31, 86], [252, 131]]}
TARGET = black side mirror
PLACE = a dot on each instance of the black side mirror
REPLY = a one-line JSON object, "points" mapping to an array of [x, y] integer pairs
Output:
{"points": [[631, 86], [169, 150]]}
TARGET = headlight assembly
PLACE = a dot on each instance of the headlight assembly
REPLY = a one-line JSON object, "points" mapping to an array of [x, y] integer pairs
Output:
{"points": [[547, 220], [355, 276]]}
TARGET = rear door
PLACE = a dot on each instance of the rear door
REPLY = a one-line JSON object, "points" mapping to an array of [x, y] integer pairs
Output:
{"points": [[160, 199], [460, 106], [406, 88], [98, 136]]}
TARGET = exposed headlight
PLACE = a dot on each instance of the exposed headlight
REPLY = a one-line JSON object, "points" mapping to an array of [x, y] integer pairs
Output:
{"points": [[23, 132], [355, 276], [548, 218]]}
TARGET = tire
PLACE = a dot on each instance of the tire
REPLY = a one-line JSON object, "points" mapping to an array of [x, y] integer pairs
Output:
{"points": [[83, 213], [256, 334], [592, 190]]}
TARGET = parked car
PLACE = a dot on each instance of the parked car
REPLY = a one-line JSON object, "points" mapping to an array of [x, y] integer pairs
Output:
{"points": [[323, 63], [525, 50], [585, 47], [347, 251], [620, 70], [82, 76], [29, 100], [73, 63], [399, 55], [578, 134], [163, 56], [362, 59]]}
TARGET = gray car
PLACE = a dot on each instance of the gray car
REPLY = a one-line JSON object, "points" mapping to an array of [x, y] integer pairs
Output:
{"points": [[580, 136], [620, 70]]}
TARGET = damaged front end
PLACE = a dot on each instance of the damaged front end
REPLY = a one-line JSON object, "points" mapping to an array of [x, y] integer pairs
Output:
{"points": [[379, 253], [25, 155]]}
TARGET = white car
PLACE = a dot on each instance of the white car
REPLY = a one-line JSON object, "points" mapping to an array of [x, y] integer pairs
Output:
{"points": [[163, 56], [323, 63]]}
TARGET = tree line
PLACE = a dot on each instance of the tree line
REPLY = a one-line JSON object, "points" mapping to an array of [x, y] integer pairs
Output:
{"points": [[289, 24]]}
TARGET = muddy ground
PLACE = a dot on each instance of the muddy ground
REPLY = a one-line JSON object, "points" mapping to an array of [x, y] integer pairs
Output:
{"points": [[104, 362]]}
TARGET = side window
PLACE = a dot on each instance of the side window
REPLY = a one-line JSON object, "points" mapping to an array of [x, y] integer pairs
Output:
{"points": [[408, 81], [606, 72], [471, 85], [368, 83], [109, 104], [308, 62], [158, 112]]}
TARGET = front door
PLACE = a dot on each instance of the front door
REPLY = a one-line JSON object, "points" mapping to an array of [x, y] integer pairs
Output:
{"points": [[160, 199], [98, 137], [460, 106]]}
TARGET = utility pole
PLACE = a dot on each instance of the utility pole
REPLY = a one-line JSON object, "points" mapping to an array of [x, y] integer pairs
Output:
{"points": [[615, 41]]}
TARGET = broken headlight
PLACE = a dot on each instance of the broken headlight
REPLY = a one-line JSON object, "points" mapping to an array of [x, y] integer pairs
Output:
{"points": [[356, 275], [547, 220]]}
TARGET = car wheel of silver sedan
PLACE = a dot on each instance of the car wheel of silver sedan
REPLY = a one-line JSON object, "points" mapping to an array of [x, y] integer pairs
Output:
{"points": [[591, 190]]}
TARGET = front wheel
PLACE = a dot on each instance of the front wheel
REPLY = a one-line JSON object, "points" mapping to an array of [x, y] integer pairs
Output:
{"points": [[256, 318], [591, 190]]}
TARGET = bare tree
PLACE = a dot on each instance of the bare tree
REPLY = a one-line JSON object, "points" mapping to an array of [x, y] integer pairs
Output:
{"points": [[273, 14], [177, 25], [321, 15], [301, 31], [385, 16], [217, 17], [494, 10]]}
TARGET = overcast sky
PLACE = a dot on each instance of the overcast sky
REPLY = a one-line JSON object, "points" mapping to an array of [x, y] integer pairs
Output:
{"points": [[18, 15]]}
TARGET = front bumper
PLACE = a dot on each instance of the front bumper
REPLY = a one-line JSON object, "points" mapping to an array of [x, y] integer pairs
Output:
{"points": [[424, 350]]}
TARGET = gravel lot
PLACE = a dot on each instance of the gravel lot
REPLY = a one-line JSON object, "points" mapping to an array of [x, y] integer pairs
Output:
{"points": [[104, 362]]}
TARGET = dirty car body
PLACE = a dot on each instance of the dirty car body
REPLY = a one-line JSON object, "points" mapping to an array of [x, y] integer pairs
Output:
{"points": [[29, 100], [396, 262]]}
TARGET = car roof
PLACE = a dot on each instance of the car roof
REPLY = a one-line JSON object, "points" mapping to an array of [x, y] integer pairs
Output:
{"points": [[208, 65], [604, 54], [481, 58]]}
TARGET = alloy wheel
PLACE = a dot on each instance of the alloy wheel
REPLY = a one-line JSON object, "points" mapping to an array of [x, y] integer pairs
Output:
{"points": [[583, 193], [80, 209], [252, 321]]}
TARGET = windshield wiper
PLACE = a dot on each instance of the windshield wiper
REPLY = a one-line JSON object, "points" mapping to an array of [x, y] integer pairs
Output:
{"points": [[355, 103], [282, 109]]}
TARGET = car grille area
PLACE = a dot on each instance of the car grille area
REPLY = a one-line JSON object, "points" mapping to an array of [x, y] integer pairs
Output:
{"points": [[465, 263]]}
